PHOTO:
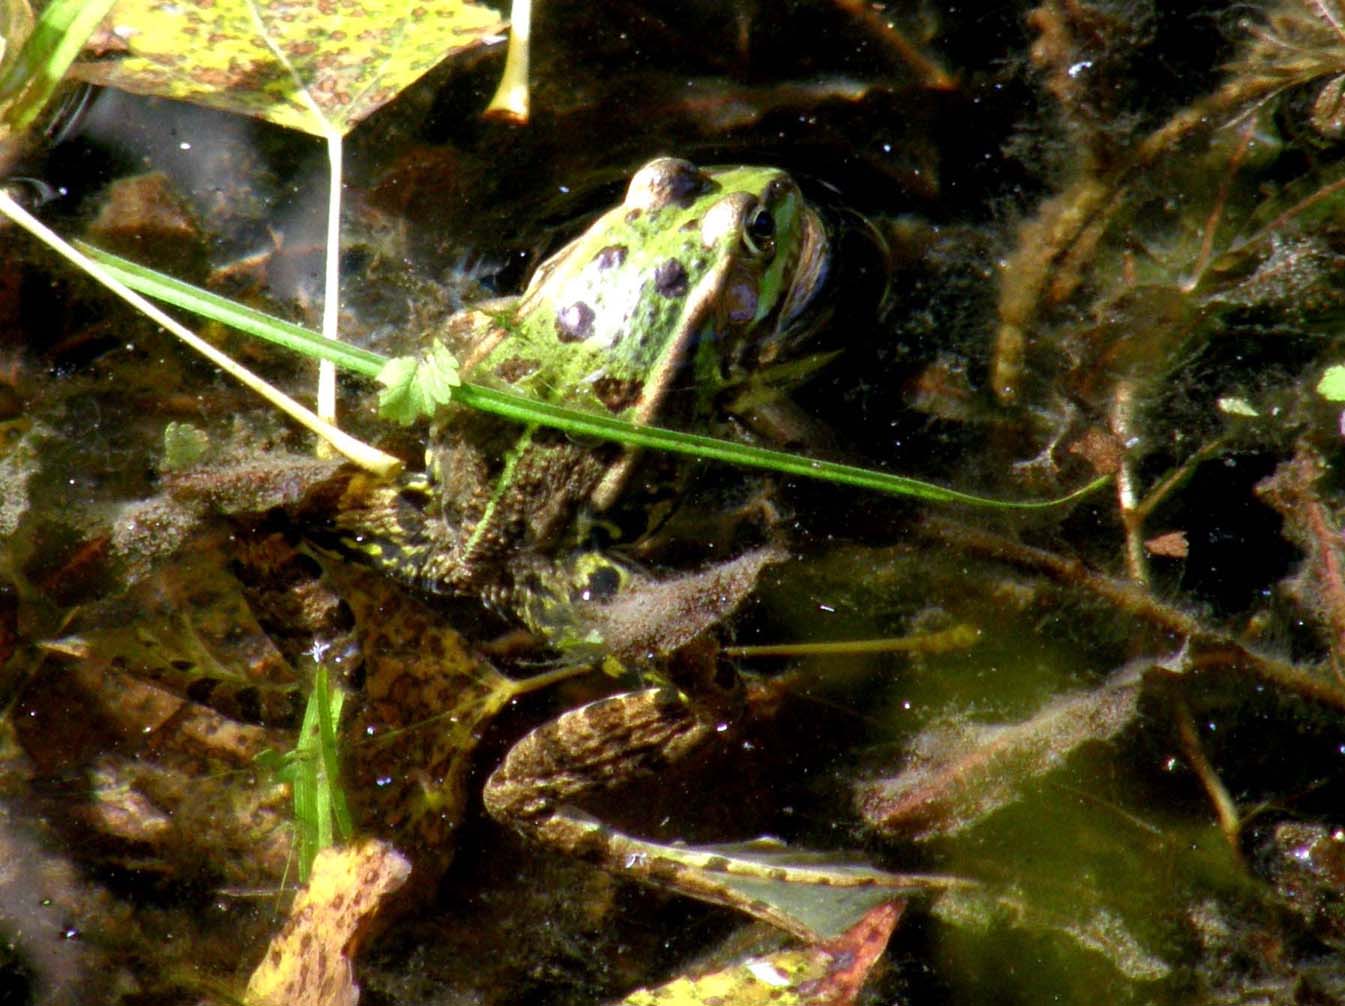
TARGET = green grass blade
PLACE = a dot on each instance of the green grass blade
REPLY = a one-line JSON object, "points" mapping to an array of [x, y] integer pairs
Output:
{"points": [[303, 782], [526, 410], [330, 702], [37, 71], [313, 770], [227, 312]]}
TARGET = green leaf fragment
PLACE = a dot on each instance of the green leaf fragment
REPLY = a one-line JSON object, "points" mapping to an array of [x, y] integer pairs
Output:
{"points": [[183, 446], [34, 73], [1332, 385], [414, 387]]}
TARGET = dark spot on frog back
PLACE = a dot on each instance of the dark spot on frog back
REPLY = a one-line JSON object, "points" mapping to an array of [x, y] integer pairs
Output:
{"points": [[610, 257], [670, 278], [574, 323], [515, 369], [685, 183], [617, 393]]}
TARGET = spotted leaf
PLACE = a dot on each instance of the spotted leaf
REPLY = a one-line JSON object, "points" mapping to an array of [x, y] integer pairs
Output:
{"points": [[319, 68]]}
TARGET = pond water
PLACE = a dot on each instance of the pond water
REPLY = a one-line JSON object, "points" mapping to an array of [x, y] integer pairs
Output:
{"points": [[1099, 743]]}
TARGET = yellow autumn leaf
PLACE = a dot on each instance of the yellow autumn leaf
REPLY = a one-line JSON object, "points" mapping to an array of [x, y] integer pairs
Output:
{"points": [[319, 68], [310, 961], [821, 974]]}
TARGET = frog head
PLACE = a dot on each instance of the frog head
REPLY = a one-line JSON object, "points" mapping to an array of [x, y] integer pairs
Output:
{"points": [[698, 275]]}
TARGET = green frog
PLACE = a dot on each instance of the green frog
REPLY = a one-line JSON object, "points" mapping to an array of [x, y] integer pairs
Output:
{"points": [[689, 290], [669, 305]]}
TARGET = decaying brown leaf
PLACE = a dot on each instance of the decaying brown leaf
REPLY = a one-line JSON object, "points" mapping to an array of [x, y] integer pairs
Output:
{"points": [[309, 963], [960, 773], [825, 974], [146, 218], [292, 64]]}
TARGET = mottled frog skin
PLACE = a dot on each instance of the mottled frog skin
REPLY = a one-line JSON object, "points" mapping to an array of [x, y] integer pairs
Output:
{"points": [[699, 279], [664, 309]]}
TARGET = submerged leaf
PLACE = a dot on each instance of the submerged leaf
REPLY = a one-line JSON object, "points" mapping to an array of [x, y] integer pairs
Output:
{"points": [[309, 961], [1089, 925], [824, 974], [188, 626], [426, 698], [961, 773], [179, 781]]}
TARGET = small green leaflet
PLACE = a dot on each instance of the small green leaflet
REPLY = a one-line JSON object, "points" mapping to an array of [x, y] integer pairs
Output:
{"points": [[183, 446], [416, 386], [1332, 385]]}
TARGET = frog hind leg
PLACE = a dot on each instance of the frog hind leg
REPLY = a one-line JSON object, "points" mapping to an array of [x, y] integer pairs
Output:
{"points": [[602, 746]]}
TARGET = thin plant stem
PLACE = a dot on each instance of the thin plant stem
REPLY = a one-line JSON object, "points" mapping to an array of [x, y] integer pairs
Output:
{"points": [[355, 450]]}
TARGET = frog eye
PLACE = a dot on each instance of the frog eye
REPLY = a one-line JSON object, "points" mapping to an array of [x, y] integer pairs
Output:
{"points": [[759, 232]]}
